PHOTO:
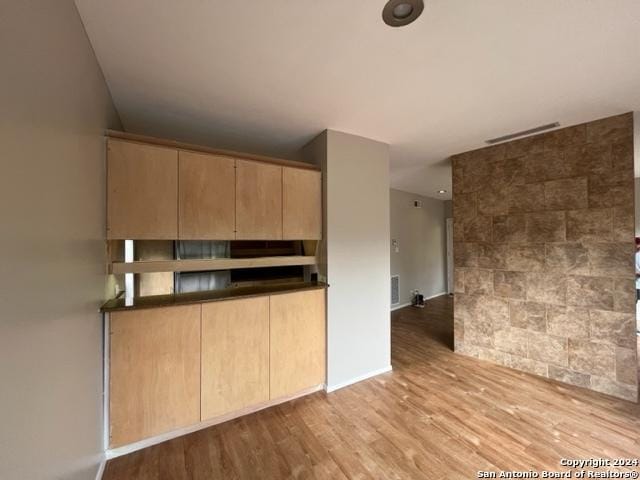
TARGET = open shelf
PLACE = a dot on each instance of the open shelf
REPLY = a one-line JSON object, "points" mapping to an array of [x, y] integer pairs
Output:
{"points": [[151, 266]]}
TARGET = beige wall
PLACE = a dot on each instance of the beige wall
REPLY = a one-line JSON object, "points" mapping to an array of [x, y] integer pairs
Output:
{"points": [[55, 106], [421, 236], [543, 231], [355, 254]]}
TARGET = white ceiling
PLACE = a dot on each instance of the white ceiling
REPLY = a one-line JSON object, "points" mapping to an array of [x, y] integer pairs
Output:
{"points": [[267, 76]]}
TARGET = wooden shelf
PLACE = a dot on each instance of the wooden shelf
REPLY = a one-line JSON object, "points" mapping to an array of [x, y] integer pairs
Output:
{"points": [[151, 266]]}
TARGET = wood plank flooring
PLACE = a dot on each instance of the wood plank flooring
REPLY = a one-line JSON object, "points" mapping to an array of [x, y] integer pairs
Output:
{"points": [[436, 416]]}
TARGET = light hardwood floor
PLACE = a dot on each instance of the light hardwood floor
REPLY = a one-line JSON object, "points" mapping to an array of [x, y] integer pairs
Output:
{"points": [[436, 416]]}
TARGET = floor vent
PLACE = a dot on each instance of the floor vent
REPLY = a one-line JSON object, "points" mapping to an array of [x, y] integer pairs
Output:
{"points": [[395, 289]]}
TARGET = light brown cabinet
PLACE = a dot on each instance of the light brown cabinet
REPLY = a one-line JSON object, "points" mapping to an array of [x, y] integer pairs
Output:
{"points": [[207, 195], [297, 342], [235, 355], [159, 192], [258, 201], [301, 204], [142, 191], [173, 367], [154, 372]]}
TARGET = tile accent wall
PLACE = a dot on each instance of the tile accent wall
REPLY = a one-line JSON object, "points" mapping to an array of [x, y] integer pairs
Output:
{"points": [[543, 254]]}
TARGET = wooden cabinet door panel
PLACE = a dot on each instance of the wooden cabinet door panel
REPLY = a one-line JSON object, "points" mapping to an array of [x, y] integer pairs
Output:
{"points": [[235, 355], [207, 193], [297, 342], [258, 201], [142, 191], [301, 204], [154, 372]]}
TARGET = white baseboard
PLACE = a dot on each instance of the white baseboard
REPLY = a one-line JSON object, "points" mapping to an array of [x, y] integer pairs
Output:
{"points": [[402, 305], [148, 442], [101, 467], [435, 295], [399, 306], [359, 378]]}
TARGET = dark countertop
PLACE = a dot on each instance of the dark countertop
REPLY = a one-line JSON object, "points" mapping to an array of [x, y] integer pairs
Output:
{"points": [[119, 304]]}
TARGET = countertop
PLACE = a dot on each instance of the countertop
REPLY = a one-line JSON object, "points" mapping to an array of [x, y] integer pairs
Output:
{"points": [[121, 304]]}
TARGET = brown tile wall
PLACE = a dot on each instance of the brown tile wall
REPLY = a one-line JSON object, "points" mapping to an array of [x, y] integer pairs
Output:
{"points": [[543, 253]]}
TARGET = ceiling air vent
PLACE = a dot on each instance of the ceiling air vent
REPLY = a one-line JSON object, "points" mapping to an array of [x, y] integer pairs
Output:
{"points": [[523, 133]]}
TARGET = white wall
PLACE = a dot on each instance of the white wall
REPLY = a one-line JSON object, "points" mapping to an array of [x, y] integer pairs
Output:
{"points": [[421, 236], [356, 182], [54, 109]]}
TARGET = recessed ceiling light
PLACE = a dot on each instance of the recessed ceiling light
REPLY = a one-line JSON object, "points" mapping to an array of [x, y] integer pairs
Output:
{"points": [[442, 192], [397, 13], [402, 10]]}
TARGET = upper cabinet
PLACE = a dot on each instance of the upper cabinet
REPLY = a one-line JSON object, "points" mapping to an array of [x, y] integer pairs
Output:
{"points": [[165, 192], [207, 197], [142, 191], [258, 201], [301, 204]]}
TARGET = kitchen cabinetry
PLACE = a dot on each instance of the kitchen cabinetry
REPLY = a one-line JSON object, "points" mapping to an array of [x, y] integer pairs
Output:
{"points": [[142, 191], [297, 342], [159, 192], [177, 366], [258, 201], [235, 355], [301, 204], [154, 368], [206, 197]]}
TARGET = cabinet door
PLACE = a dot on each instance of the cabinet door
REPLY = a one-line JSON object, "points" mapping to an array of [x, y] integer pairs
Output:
{"points": [[142, 191], [301, 204], [258, 201], [297, 342], [207, 195], [235, 355], [154, 372]]}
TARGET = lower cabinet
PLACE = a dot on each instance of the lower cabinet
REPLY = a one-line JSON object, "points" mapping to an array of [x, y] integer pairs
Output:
{"points": [[154, 372], [235, 355], [297, 346], [172, 367]]}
